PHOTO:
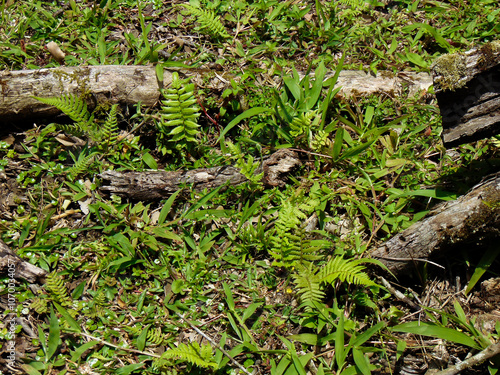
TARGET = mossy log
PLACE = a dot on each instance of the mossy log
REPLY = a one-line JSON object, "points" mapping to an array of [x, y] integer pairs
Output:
{"points": [[129, 85], [467, 87], [151, 185], [471, 219], [13, 266]]}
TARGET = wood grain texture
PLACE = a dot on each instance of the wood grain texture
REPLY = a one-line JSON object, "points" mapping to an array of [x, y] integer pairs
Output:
{"points": [[11, 262], [152, 185], [125, 85], [129, 85], [472, 218], [467, 87]]}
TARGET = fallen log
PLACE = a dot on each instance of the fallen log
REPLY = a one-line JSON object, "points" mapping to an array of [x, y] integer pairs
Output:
{"points": [[13, 266], [152, 185], [128, 85], [467, 87], [472, 218]]}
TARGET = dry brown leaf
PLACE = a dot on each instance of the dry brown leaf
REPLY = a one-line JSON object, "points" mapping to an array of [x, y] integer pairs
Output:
{"points": [[56, 52]]}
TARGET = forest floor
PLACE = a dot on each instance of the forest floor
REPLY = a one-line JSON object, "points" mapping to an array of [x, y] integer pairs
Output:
{"points": [[247, 278]]}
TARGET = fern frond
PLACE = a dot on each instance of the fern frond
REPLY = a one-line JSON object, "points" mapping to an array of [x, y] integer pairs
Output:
{"points": [[208, 20], [108, 132], [179, 111], [345, 270], [81, 165], [72, 106], [301, 124], [39, 305], [352, 3], [308, 287], [57, 289], [246, 163], [100, 298], [363, 299], [155, 336], [161, 364], [290, 242], [193, 353], [72, 129]]}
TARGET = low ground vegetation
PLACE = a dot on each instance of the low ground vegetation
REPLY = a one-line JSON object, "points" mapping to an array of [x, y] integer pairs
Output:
{"points": [[246, 278]]}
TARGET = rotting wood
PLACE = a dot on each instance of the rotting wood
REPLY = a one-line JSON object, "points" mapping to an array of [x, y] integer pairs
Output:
{"points": [[12, 265], [125, 85], [467, 87], [151, 185], [129, 85], [472, 218]]}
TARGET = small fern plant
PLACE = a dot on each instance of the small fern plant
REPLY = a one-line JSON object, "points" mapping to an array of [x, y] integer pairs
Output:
{"points": [[247, 164], [290, 242], [311, 280], [84, 124], [208, 20], [82, 164], [201, 356], [57, 289], [179, 113]]}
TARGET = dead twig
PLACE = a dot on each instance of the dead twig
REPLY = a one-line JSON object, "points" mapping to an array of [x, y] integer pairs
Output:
{"points": [[480, 357]]}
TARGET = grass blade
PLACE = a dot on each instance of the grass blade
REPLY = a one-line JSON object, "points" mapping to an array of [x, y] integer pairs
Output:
{"points": [[362, 363], [166, 208], [248, 113], [433, 330], [486, 260], [54, 334]]}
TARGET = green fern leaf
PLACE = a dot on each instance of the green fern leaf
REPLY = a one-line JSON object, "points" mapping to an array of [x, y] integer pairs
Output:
{"points": [[345, 270], [108, 132], [193, 353], [180, 112], [352, 3], [56, 287], [71, 129], [39, 305], [81, 165], [72, 106], [208, 20], [309, 288], [155, 336]]}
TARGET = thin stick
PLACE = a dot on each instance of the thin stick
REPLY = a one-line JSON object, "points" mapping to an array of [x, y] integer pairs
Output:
{"points": [[410, 259], [213, 343], [116, 346], [487, 353], [398, 294]]}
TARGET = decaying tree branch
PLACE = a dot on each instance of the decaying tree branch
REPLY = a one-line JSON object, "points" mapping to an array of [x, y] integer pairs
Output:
{"points": [[490, 352], [152, 185], [12, 264], [129, 85], [467, 87], [471, 218], [114, 84]]}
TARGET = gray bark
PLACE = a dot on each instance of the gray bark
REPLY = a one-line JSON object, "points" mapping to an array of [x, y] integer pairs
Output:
{"points": [[472, 218], [151, 185], [13, 266], [129, 85], [467, 87]]}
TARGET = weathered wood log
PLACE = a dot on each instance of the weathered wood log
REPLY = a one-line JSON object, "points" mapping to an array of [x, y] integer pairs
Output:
{"points": [[472, 218], [13, 266], [129, 85], [467, 87], [126, 85], [151, 185]]}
